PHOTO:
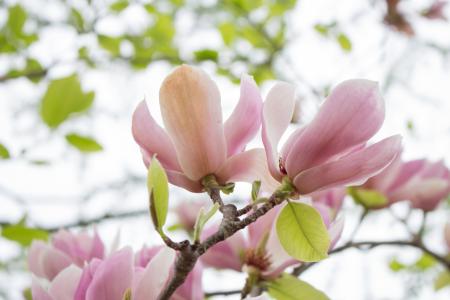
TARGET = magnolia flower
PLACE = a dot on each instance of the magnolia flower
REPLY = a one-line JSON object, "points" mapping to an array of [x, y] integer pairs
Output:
{"points": [[436, 11], [331, 198], [261, 249], [187, 212], [48, 260], [62, 287], [196, 142], [330, 151], [425, 184]]}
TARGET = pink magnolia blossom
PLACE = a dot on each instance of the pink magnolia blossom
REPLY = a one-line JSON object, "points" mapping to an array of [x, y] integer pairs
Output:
{"points": [[423, 183], [62, 287], [187, 212], [331, 151], [436, 11], [261, 249], [48, 260], [196, 141]]}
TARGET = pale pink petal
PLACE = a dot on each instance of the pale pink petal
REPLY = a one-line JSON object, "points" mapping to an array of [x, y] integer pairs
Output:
{"points": [[175, 177], [226, 254], [54, 261], [335, 231], [383, 181], [324, 211], [38, 292], [262, 227], [155, 275], [247, 166], [244, 122], [191, 110], [428, 193], [98, 248], [355, 167], [64, 285], [277, 114], [145, 255], [112, 277], [35, 254], [352, 114], [152, 138], [86, 279], [407, 171], [288, 145], [333, 198], [192, 288]]}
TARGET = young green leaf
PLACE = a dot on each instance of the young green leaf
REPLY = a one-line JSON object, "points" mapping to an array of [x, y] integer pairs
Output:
{"points": [[367, 198], [158, 189], [442, 281], [344, 42], [4, 153], [64, 97], [23, 235], [256, 186], [206, 54], [202, 219], [83, 143], [302, 232], [288, 287]]}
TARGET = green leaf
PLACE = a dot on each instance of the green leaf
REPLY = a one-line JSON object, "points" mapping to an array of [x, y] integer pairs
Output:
{"points": [[16, 19], [109, 43], [322, 29], [425, 262], [4, 153], [288, 287], [158, 189], [23, 235], [202, 219], [77, 19], [367, 198], [344, 42], [228, 32], [26, 293], [206, 54], [396, 266], [83, 143], [63, 98], [442, 280], [256, 186], [302, 232], [119, 5]]}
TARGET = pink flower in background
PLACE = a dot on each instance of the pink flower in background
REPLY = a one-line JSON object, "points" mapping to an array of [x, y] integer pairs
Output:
{"points": [[424, 184], [331, 151], [187, 212], [143, 274], [261, 249], [196, 141], [331, 198], [436, 11], [47, 260]]}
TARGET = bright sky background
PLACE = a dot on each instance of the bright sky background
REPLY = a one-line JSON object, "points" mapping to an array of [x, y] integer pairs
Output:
{"points": [[420, 93]]}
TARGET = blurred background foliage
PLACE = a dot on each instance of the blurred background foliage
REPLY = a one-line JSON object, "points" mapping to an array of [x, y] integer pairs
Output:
{"points": [[54, 90]]}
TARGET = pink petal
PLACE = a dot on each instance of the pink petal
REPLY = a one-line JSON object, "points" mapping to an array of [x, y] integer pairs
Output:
{"points": [[226, 254], [247, 166], [112, 277], [64, 285], [38, 292], [54, 261], [192, 288], [244, 122], [277, 114], [152, 138], [145, 255], [406, 172], [191, 110], [98, 248], [355, 167], [335, 231], [428, 193], [263, 226], [176, 177], [35, 254], [351, 115], [155, 275], [333, 198], [86, 279]]}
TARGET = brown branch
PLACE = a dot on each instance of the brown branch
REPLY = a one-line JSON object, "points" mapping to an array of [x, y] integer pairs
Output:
{"points": [[222, 293], [230, 225]]}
